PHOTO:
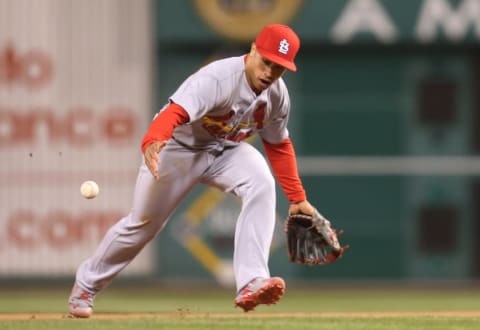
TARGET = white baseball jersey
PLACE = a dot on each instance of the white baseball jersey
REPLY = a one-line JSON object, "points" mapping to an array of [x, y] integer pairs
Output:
{"points": [[224, 110]]}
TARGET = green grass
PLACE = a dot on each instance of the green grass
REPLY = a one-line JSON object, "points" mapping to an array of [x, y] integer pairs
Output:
{"points": [[245, 323], [194, 310]]}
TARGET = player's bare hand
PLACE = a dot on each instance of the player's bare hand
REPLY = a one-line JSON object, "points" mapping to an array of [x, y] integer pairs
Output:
{"points": [[151, 157], [302, 207]]}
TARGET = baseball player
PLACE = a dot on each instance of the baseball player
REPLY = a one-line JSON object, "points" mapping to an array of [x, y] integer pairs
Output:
{"points": [[198, 137]]}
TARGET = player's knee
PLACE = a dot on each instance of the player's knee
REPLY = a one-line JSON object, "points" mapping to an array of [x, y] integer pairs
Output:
{"points": [[264, 187], [144, 228]]}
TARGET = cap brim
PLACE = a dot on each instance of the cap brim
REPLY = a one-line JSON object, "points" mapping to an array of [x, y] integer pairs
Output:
{"points": [[278, 60]]}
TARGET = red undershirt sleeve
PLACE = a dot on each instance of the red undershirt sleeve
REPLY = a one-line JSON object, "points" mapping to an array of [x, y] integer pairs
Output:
{"points": [[161, 128], [284, 166]]}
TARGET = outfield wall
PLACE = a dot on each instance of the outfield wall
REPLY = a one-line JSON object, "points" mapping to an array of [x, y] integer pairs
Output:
{"points": [[75, 97], [384, 118]]}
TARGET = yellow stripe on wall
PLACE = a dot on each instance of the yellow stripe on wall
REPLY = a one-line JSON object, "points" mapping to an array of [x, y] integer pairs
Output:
{"points": [[202, 252]]}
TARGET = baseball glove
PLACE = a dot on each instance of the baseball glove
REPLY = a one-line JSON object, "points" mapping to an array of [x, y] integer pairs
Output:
{"points": [[312, 240]]}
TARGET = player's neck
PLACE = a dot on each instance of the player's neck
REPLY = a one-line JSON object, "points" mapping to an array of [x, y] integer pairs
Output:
{"points": [[257, 92]]}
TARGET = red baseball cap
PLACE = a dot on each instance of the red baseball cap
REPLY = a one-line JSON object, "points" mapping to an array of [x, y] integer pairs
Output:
{"points": [[279, 44]]}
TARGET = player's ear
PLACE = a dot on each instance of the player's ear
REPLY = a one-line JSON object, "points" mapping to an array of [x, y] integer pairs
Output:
{"points": [[253, 47]]}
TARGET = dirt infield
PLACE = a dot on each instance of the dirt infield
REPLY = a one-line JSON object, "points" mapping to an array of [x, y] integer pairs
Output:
{"points": [[181, 314]]}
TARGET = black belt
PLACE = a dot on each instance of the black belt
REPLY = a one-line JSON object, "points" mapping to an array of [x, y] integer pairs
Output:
{"points": [[213, 152]]}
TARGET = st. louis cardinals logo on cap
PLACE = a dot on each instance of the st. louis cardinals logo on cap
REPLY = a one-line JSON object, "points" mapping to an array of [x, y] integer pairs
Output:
{"points": [[283, 47], [279, 44]]}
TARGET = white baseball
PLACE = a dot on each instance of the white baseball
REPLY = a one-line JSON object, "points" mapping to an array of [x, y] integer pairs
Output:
{"points": [[89, 189]]}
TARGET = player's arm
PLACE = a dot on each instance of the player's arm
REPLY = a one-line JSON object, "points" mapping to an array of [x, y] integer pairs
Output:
{"points": [[159, 132], [284, 166]]}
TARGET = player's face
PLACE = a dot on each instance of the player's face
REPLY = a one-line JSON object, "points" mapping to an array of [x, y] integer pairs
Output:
{"points": [[261, 72]]}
